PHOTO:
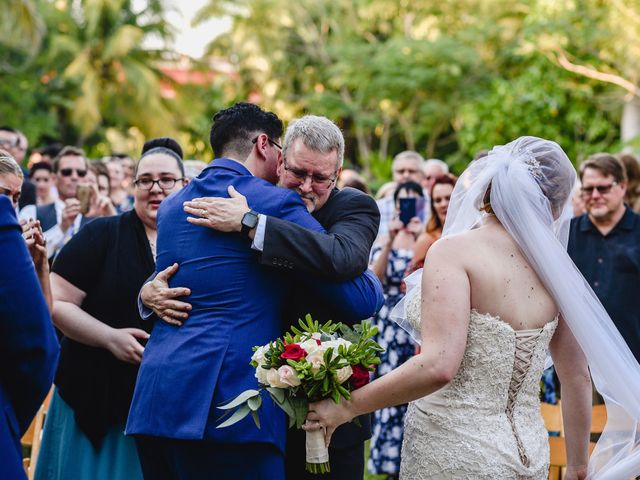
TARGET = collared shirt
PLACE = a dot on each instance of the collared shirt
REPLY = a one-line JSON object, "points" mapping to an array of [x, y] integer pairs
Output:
{"points": [[55, 237], [611, 265]]}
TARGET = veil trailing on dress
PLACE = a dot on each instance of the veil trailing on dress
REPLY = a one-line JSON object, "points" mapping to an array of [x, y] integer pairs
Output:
{"points": [[529, 182]]}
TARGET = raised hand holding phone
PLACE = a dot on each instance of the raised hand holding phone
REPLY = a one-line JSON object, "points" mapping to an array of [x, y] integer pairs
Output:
{"points": [[407, 209]]}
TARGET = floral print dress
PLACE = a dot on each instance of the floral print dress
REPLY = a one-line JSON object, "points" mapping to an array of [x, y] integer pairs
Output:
{"points": [[388, 423]]}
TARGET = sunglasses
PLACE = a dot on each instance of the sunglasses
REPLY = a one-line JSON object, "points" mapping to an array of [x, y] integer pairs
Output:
{"points": [[602, 189], [67, 172]]}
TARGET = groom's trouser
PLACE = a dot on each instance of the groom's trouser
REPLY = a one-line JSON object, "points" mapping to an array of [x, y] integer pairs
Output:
{"points": [[171, 459]]}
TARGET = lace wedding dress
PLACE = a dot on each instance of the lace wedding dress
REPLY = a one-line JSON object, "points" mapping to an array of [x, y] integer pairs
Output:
{"points": [[486, 423]]}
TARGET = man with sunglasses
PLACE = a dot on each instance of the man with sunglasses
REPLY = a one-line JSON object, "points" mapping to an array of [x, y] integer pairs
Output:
{"points": [[62, 219], [604, 243]]}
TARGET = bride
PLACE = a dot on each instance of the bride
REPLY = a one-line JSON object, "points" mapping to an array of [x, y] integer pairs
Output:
{"points": [[500, 292]]}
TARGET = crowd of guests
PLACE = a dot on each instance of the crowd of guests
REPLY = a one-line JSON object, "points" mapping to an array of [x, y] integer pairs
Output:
{"points": [[89, 227]]}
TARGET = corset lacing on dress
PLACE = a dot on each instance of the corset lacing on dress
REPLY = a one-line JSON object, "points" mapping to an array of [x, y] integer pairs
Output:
{"points": [[526, 341]]}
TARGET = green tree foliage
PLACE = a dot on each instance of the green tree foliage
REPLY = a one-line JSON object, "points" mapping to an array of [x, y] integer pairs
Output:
{"points": [[444, 78]]}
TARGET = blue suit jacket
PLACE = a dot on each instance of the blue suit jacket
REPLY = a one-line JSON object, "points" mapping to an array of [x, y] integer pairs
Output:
{"points": [[188, 371], [28, 344]]}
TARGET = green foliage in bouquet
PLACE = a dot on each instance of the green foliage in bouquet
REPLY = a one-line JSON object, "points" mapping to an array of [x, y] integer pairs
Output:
{"points": [[327, 360]]}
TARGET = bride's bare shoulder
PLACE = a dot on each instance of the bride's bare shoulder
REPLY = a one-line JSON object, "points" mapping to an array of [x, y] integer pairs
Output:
{"points": [[458, 240]]}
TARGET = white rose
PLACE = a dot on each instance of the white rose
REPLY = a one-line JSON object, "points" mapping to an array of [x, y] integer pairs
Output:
{"points": [[310, 345], [288, 376], [335, 344], [273, 379], [316, 360], [261, 375], [344, 374], [259, 355], [316, 336]]}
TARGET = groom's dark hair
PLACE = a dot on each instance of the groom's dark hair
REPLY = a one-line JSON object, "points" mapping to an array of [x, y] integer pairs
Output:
{"points": [[235, 127]]}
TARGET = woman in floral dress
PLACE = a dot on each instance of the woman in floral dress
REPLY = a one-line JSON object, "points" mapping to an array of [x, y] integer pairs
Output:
{"points": [[390, 258]]}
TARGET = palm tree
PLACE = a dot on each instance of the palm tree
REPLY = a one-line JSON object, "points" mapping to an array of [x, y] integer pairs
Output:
{"points": [[21, 32], [105, 69]]}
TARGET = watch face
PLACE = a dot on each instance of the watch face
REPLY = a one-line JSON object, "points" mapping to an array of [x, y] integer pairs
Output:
{"points": [[250, 219]]}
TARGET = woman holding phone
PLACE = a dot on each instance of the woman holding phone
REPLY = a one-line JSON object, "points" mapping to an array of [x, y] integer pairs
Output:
{"points": [[390, 258], [95, 281]]}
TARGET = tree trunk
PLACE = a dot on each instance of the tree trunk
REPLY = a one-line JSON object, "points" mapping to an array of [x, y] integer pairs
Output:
{"points": [[630, 126]]}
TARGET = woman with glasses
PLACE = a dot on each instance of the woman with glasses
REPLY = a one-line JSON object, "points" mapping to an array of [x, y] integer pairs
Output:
{"points": [[96, 278]]}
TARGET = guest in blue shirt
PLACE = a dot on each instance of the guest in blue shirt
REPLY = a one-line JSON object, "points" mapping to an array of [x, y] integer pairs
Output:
{"points": [[604, 243]]}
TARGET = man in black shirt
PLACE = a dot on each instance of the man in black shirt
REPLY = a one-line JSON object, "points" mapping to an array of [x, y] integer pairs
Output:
{"points": [[604, 243]]}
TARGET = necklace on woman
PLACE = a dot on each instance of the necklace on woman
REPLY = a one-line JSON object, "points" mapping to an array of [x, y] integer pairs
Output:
{"points": [[152, 245]]}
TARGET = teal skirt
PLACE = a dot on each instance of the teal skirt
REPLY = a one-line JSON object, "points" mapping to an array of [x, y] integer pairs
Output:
{"points": [[66, 452]]}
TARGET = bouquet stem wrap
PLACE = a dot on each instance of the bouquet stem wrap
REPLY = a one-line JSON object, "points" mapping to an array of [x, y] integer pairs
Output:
{"points": [[317, 452]]}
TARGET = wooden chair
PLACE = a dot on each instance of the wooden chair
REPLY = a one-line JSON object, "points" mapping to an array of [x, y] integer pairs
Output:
{"points": [[598, 418], [557, 448], [33, 436], [558, 457], [552, 416]]}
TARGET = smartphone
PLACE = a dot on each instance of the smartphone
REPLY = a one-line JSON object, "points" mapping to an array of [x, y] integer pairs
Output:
{"points": [[84, 196], [407, 209]]}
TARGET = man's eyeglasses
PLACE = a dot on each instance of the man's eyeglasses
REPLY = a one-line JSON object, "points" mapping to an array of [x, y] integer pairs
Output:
{"points": [[165, 183], [602, 189], [67, 172], [275, 144], [301, 176], [11, 143], [15, 197]]}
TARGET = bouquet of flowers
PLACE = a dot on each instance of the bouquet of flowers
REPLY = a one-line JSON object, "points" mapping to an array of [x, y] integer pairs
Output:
{"points": [[307, 365]]}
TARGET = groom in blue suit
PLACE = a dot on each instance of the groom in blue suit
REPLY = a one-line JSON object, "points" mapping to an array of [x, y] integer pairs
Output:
{"points": [[187, 372]]}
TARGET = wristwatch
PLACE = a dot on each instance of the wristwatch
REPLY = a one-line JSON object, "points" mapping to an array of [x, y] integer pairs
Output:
{"points": [[249, 222]]}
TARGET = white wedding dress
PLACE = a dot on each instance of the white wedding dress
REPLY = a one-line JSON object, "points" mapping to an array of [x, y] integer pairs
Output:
{"points": [[486, 423]]}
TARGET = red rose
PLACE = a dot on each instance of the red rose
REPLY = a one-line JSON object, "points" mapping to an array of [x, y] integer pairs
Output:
{"points": [[293, 352], [360, 376]]}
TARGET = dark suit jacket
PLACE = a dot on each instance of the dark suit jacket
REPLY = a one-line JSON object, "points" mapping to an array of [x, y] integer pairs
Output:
{"points": [[28, 345], [351, 219]]}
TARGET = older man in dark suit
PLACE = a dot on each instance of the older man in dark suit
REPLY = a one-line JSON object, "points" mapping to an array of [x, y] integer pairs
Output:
{"points": [[311, 162]]}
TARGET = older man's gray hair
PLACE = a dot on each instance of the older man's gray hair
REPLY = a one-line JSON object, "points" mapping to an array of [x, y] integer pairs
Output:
{"points": [[432, 162], [408, 155], [8, 165], [317, 133]]}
